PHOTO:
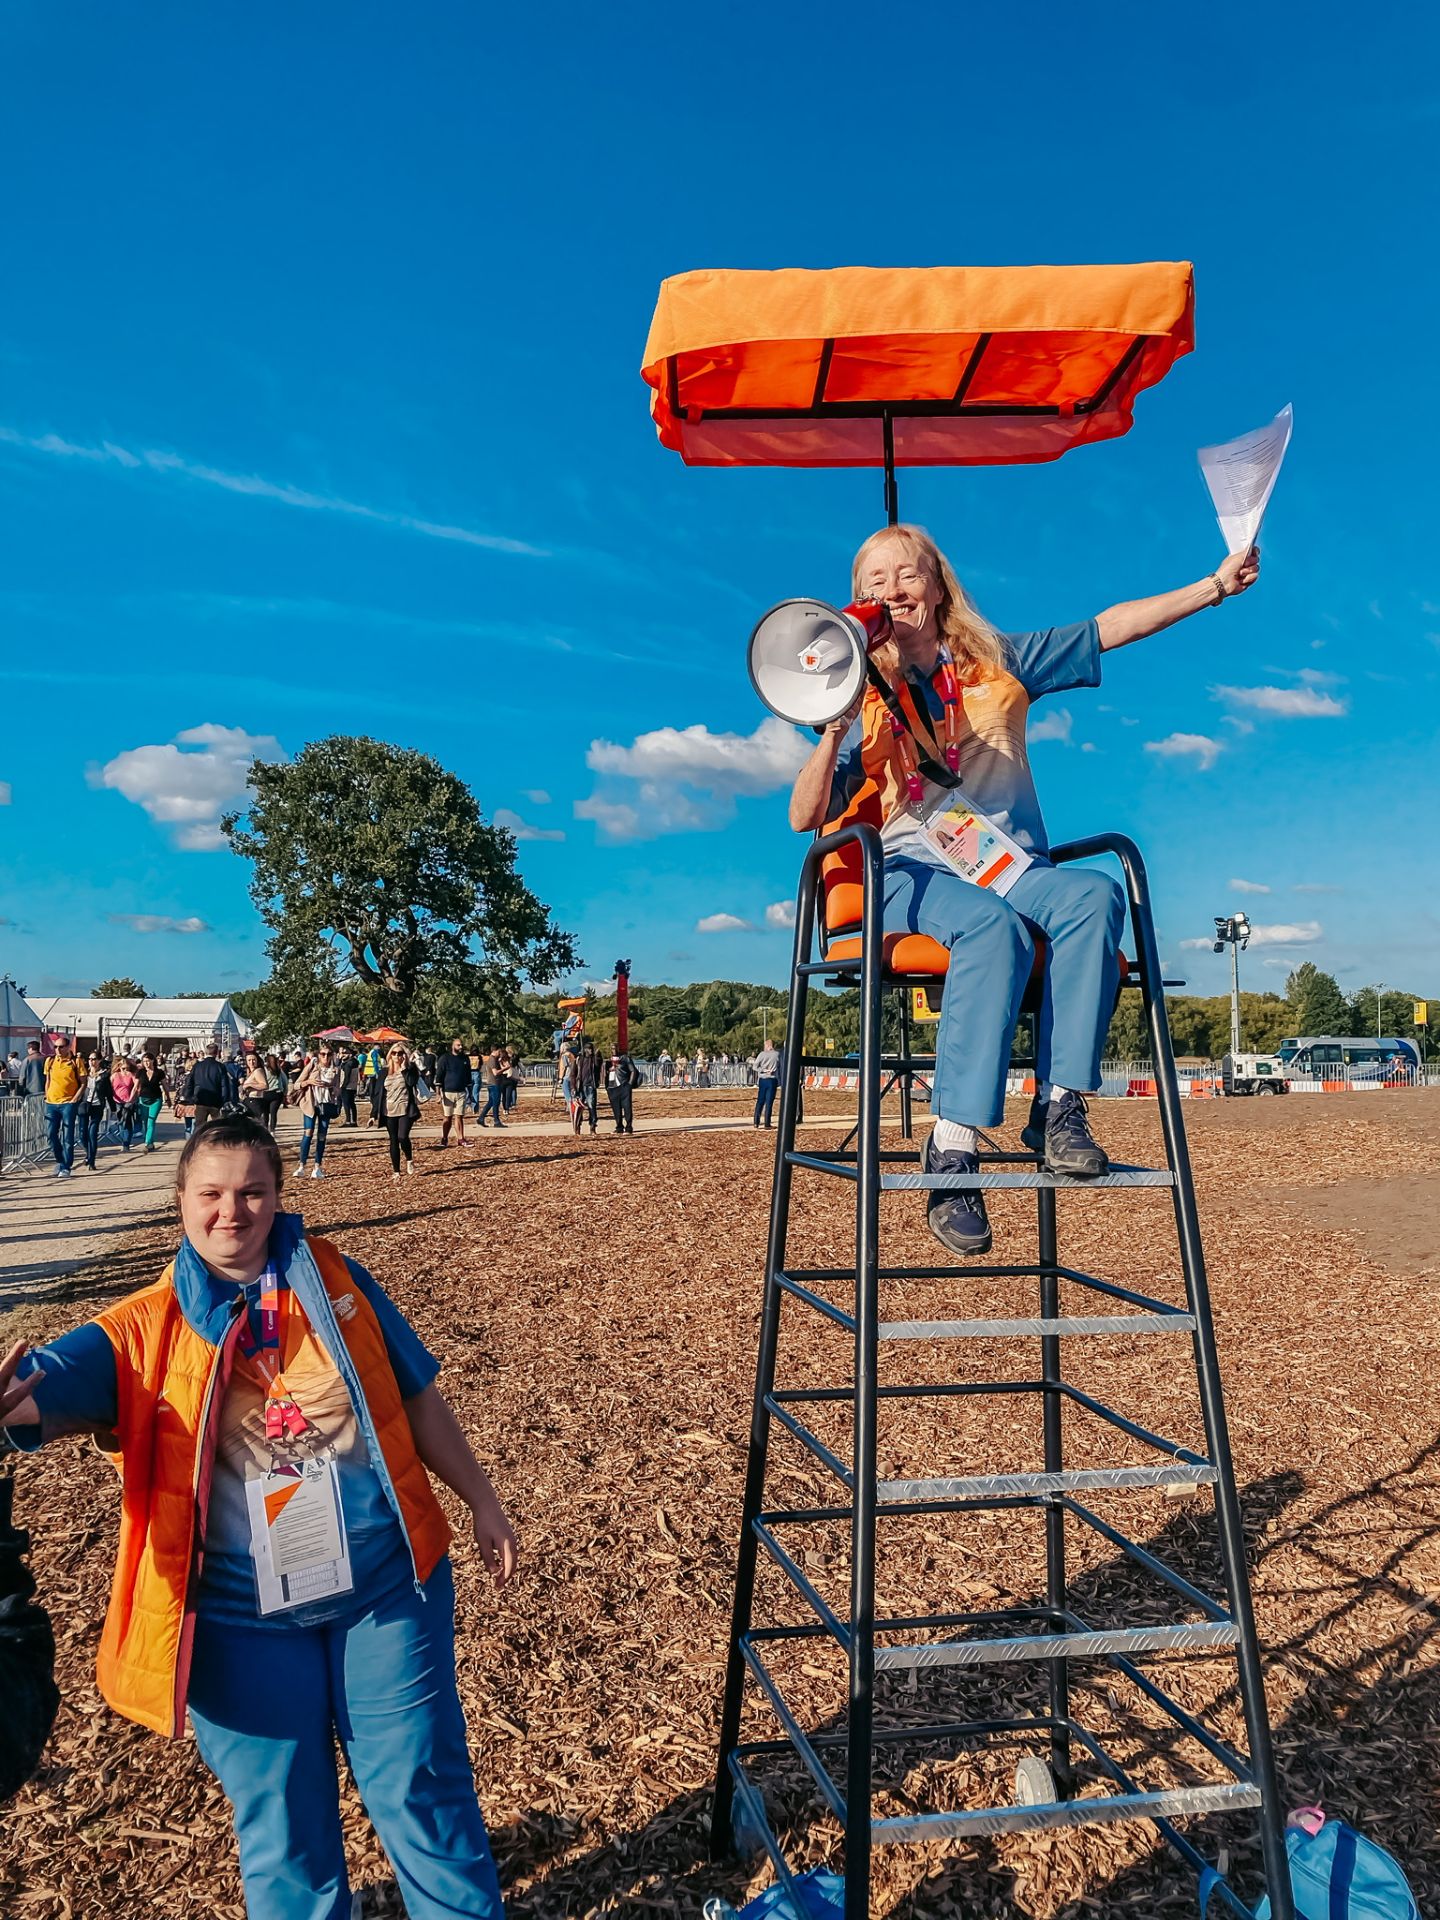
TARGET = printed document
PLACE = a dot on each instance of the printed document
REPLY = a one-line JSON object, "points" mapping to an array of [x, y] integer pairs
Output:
{"points": [[1241, 476]]}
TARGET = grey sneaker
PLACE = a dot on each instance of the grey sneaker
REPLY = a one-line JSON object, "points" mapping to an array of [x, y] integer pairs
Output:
{"points": [[956, 1216], [1060, 1133]]}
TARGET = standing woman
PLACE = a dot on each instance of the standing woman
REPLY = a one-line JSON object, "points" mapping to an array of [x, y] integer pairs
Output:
{"points": [[398, 1105], [512, 1080], [277, 1086], [255, 1089], [276, 1376], [319, 1089], [125, 1094], [150, 1085], [95, 1099], [587, 1086]]}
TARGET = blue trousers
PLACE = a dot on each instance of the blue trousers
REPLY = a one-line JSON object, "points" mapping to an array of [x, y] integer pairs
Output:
{"points": [[765, 1098], [314, 1131], [60, 1117], [992, 947], [267, 1704]]}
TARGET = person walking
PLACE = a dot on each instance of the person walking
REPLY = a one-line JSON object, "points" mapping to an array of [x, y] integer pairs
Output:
{"points": [[767, 1081], [94, 1104], [274, 1381], [32, 1074], [125, 1096], [492, 1073], [64, 1084], [207, 1088], [319, 1091], [565, 1068], [588, 1073], [277, 1089], [452, 1083], [512, 1079], [477, 1078], [398, 1105], [150, 1087], [621, 1078], [349, 1088]]}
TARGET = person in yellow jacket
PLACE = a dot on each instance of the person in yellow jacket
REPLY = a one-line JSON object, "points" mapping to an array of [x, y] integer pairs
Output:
{"points": [[64, 1086], [282, 1573]]}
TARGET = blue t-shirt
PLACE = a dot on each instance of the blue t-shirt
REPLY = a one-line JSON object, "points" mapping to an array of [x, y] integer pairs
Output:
{"points": [[80, 1388], [994, 765]]}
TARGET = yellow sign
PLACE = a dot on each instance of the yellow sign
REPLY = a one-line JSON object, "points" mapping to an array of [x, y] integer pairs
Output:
{"points": [[1422, 1013], [921, 1005]]}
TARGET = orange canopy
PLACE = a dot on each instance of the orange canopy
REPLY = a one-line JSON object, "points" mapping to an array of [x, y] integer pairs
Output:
{"points": [[910, 366]]}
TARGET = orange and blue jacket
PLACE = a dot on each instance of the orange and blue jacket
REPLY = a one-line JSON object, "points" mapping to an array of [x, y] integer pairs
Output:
{"points": [[175, 1346]]}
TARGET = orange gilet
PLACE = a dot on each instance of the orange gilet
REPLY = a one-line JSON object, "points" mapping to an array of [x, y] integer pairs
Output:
{"points": [[171, 1382], [873, 802]]}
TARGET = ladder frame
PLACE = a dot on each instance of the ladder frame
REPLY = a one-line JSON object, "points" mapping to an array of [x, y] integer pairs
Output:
{"points": [[1068, 1636]]}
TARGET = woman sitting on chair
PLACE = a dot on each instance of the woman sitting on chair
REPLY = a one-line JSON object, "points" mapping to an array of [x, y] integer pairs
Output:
{"points": [[861, 769]]}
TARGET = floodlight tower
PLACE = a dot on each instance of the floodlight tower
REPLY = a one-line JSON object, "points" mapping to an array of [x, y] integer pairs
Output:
{"points": [[1233, 932]]}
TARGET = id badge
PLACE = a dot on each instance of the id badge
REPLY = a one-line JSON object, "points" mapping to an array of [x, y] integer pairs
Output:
{"points": [[297, 1534], [972, 844]]}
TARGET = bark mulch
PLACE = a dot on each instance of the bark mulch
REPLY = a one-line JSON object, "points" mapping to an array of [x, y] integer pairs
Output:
{"points": [[595, 1305]]}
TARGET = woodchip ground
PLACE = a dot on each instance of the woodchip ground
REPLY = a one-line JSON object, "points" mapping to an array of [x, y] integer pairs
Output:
{"points": [[595, 1306]]}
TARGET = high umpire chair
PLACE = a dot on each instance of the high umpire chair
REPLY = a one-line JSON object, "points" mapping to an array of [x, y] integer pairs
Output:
{"points": [[922, 367]]}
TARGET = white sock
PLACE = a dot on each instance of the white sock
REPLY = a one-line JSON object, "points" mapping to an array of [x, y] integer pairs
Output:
{"points": [[1049, 1091], [950, 1137]]}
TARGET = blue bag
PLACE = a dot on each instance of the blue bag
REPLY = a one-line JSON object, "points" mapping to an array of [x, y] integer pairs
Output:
{"points": [[822, 1894], [1337, 1874]]}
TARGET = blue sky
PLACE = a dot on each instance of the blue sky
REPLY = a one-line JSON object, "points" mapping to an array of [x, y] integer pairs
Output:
{"points": [[321, 414]]}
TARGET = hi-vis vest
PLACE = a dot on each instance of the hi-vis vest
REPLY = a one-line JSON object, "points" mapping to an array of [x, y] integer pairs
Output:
{"points": [[171, 1383]]}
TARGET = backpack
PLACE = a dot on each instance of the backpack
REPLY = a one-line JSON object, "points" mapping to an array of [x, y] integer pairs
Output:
{"points": [[1337, 1874], [822, 1896]]}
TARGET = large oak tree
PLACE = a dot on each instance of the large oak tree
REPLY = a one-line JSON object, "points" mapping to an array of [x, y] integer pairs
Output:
{"points": [[374, 867]]}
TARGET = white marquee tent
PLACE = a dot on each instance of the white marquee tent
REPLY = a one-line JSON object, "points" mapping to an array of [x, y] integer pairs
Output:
{"points": [[131, 1025], [19, 1021]]}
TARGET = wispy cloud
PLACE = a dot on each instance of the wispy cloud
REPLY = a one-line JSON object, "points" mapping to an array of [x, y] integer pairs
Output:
{"points": [[780, 913], [5, 795], [1303, 934], [109, 454], [724, 923], [1198, 747], [1248, 886], [1056, 725], [159, 923], [1286, 703], [512, 823], [1315, 886]]}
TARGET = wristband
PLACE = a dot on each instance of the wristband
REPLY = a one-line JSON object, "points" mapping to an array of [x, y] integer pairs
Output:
{"points": [[1220, 593]]}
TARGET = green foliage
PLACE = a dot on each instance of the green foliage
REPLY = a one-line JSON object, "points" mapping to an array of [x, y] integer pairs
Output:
{"points": [[1316, 1002], [388, 898], [122, 989]]}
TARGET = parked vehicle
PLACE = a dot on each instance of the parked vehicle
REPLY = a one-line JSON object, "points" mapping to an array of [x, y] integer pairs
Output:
{"points": [[1254, 1073], [1327, 1055]]}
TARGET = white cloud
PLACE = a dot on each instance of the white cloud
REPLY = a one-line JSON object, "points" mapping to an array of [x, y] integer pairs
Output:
{"points": [[1248, 886], [599, 989], [537, 796], [522, 829], [615, 820], [780, 913], [1088, 746], [151, 460], [1234, 720], [1302, 934], [687, 779], [1315, 886], [1310, 677], [1287, 703], [159, 923], [4, 793], [1194, 946], [1195, 746], [724, 923], [188, 783], [1056, 725]]}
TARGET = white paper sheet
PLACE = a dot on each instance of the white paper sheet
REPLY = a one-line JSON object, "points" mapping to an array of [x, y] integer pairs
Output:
{"points": [[1241, 476]]}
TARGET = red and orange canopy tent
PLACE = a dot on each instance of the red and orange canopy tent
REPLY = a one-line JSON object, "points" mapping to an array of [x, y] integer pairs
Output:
{"points": [[909, 366]]}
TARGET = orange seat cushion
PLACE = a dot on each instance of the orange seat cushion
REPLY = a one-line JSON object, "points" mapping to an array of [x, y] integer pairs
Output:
{"points": [[904, 952]]}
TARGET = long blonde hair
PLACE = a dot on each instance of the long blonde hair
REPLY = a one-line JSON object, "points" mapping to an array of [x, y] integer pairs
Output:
{"points": [[978, 649]]}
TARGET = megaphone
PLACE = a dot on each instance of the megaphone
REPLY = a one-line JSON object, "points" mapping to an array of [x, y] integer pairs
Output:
{"points": [[807, 658]]}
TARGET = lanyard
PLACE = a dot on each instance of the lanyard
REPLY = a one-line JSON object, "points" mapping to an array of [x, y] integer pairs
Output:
{"points": [[283, 1418], [904, 727]]}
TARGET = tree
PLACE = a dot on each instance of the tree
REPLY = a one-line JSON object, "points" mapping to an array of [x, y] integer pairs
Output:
{"points": [[122, 989], [1316, 1002], [374, 868]]}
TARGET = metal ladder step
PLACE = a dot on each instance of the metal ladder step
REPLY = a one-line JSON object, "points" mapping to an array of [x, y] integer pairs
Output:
{"points": [[1050, 1646], [952, 1182], [1224, 1797], [1100, 1323], [1075, 1480]]}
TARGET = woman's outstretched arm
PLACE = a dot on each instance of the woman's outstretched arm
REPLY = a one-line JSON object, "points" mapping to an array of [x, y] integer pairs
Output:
{"points": [[1137, 619]]}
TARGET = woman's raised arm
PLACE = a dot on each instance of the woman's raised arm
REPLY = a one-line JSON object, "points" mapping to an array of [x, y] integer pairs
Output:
{"points": [[1133, 620]]}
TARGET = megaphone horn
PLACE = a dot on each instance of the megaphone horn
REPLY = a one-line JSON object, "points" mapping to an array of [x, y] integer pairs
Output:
{"points": [[807, 658]]}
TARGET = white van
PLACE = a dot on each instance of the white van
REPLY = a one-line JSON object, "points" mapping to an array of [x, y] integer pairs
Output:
{"points": [[1254, 1073]]}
